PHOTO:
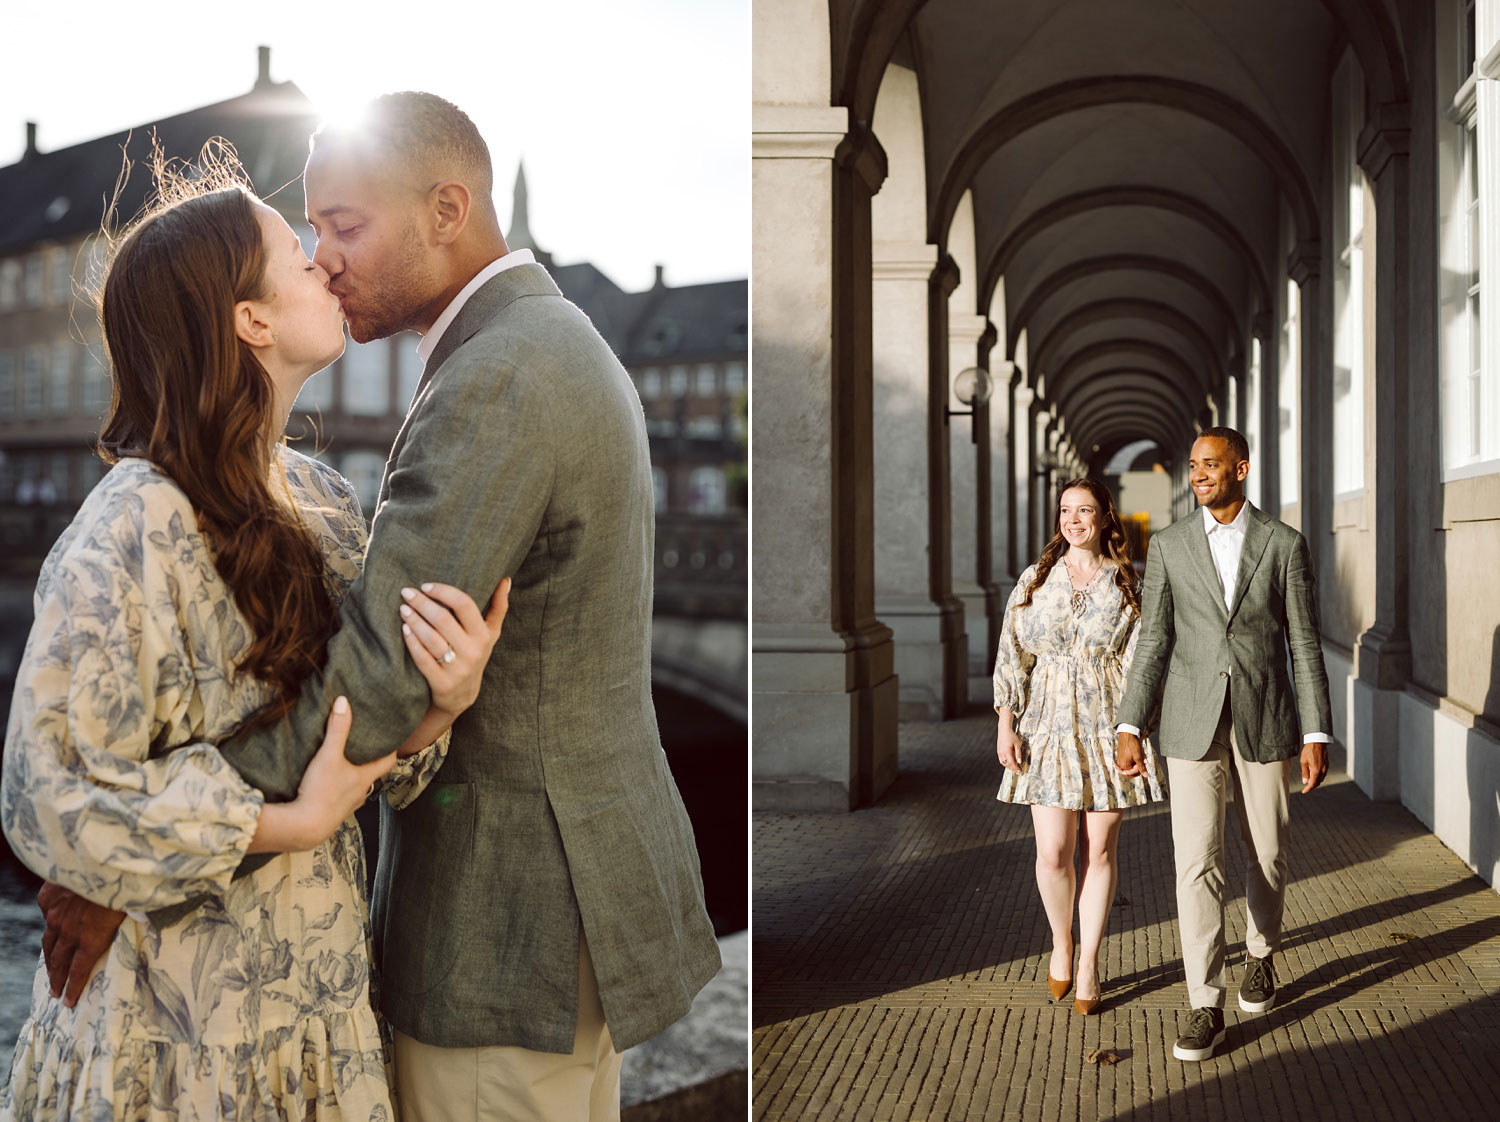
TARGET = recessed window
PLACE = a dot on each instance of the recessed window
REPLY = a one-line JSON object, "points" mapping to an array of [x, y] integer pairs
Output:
{"points": [[677, 381], [367, 378], [651, 383], [734, 377], [707, 490], [708, 380], [10, 284], [31, 281], [60, 395], [7, 384], [31, 382]]}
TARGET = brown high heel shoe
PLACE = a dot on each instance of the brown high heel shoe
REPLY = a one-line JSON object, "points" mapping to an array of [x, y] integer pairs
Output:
{"points": [[1059, 988], [1086, 1006]]}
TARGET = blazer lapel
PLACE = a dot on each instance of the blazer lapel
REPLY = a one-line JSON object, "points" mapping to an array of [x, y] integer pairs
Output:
{"points": [[494, 294], [1203, 560], [1257, 536]]}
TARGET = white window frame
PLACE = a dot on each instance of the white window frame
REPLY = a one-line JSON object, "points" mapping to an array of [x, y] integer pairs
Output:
{"points": [[8, 403], [1348, 283], [1289, 386]]}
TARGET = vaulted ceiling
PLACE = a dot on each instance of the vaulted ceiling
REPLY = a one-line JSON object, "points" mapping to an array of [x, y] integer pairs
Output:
{"points": [[1139, 172]]}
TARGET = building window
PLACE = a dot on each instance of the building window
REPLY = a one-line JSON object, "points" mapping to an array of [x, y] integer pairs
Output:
{"points": [[677, 381], [95, 384], [705, 428], [408, 367], [316, 395], [363, 470], [1470, 393], [55, 483], [7, 384], [706, 491], [60, 273], [10, 284], [31, 283], [650, 383], [1287, 390], [1348, 284], [367, 378], [708, 380], [659, 487], [31, 382], [60, 390], [734, 377], [90, 470]]}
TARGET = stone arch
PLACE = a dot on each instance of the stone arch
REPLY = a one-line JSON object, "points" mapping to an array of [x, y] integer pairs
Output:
{"points": [[1190, 386], [1211, 105], [1079, 270], [1151, 311], [1161, 198]]}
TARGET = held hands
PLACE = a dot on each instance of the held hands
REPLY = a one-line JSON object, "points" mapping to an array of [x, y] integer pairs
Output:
{"points": [[77, 935], [438, 619], [1314, 765], [1130, 757]]}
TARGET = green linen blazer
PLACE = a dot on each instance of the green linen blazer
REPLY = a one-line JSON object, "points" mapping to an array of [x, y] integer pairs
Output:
{"points": [[523, 454], [1191, 650]]}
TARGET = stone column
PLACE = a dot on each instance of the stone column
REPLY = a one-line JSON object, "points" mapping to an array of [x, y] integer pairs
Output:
{"points": [[1383, 653], [940, 472], [1263, 328], [1019, 445], [822, 664], [922, 619], [964, 332]]}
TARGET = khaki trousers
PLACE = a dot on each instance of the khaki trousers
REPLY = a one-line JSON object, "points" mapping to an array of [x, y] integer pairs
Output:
{"points": [[1199, 789], [511, 1084]]}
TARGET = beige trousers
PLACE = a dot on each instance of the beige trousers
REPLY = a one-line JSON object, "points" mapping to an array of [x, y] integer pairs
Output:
{"points": [[1198, 792], [510, 1084]]}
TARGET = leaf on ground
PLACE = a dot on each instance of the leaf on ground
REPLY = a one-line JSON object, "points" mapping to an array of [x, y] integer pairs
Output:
{"points": [[1122, 901], [1400, 936], [1103, 1056]]}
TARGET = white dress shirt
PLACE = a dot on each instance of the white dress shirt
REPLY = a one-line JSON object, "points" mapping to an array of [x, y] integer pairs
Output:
{"points": [[450, 313], [1225, 544]]}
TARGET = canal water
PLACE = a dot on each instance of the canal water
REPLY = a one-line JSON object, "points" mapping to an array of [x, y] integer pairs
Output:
{"points": [[20, 949]]}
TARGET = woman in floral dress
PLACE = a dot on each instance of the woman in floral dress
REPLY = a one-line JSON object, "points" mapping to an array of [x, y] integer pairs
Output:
{"points": [[197, 585], [1065, 649]]}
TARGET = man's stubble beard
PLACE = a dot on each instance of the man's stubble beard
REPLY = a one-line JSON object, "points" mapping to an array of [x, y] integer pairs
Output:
{"points": [[397, 301]]}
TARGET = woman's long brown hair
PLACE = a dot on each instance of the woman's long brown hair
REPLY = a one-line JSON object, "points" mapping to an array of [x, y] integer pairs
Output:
{"points": [[192, 398], [1112, 543]]}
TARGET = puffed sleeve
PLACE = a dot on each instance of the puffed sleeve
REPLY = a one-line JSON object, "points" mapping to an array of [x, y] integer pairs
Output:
{"points": [[1013, 662], [90, 799]]}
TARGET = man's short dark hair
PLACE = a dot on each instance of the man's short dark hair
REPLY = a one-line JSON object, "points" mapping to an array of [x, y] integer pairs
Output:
{"points": [[1239, 447], [419, 132]]}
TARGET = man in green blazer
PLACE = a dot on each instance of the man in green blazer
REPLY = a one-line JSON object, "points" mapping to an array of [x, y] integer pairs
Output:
{"points": [[539, 907], [1228, 595]]}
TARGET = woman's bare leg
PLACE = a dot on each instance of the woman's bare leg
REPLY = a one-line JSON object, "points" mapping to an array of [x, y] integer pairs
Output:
{"points": [[1096, 893], [1056, 830]]}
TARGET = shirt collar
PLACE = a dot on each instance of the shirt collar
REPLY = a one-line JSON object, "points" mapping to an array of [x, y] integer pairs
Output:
{"points": [[450, 313], [1212, 525]]}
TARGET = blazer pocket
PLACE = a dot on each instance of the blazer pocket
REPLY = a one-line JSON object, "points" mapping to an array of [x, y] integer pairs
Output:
{"points": [[1278, 723], [422, 929]]}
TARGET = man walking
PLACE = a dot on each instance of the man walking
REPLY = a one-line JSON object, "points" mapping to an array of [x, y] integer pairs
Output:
{"points": [[1229, 593]]}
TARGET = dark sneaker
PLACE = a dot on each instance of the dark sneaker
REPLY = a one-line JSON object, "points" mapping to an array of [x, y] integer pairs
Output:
{"points": [[1205, 1032], [1258, 986]]}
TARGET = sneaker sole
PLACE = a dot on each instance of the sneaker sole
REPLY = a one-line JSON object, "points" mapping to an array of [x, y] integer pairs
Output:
{"points": [[1194, 1055], [1257, 1006]]}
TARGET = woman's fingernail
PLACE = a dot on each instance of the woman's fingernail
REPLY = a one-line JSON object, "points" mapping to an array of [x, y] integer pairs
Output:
{"points": [[405, 630], [427, 587], [408, 593], [341, 705], [405, 611]]}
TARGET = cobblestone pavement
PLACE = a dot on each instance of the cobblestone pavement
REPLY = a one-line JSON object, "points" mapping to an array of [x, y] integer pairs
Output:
{"points": [[899, 963]]}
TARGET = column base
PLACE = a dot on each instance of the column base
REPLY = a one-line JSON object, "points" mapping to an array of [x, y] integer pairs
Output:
{"points": [[825, 717], [1374, 740], [921, 631], [1383, 660], [978, 656]]}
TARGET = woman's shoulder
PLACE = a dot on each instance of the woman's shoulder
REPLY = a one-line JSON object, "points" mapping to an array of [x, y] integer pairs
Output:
{"points": [[134, 512], [312, 479]]}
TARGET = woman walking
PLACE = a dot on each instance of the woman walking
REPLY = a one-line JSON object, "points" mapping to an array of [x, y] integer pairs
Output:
{"points": [[1065, 649]]}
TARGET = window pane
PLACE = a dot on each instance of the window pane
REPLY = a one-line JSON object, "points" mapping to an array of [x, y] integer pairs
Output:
{"points": [[7, 384], [706, 491], [367, 373], [61, 388], [708, 380], [408, 367], [31, 383]]}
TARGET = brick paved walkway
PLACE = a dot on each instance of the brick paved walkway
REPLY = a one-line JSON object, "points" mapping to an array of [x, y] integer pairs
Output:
{"points": [[899, 964]]}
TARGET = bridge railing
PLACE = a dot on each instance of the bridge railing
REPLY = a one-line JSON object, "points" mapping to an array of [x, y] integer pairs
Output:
{"points": [[702, 566]]}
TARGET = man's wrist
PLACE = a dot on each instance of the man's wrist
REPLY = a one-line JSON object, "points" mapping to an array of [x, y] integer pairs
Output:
{"points": [[1131, 729]]}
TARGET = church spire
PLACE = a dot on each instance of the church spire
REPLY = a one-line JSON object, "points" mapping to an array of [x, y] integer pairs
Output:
{"points": [[519, 236]]}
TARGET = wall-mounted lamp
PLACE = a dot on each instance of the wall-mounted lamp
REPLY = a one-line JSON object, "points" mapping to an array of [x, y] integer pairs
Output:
{"points": [[972, 387]]}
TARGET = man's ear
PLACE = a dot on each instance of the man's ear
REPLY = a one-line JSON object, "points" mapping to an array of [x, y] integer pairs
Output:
{"points": [[250, 324], [1242, 469], [450, 211]]}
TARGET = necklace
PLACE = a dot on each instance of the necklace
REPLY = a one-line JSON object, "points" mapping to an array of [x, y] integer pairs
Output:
{"points": [[1080, 598]]}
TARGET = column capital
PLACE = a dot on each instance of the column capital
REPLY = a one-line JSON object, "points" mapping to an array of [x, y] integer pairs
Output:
{"points": [[792, 132], [860, 153], [1386, 136], [945, 275], [988, 338], [1261, 327], [903, 261], [1305, 262]]}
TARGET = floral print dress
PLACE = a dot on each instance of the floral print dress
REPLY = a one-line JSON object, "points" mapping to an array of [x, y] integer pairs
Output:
{"points": [[1061, 667], [258, 1005]]}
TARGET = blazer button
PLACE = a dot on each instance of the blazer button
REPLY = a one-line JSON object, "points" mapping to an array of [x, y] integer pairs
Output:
{"points": [[1231, 635], [1223, 673]]}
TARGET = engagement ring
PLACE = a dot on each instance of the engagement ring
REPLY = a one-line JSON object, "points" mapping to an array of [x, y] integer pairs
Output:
{"points": [[449, 656]]}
